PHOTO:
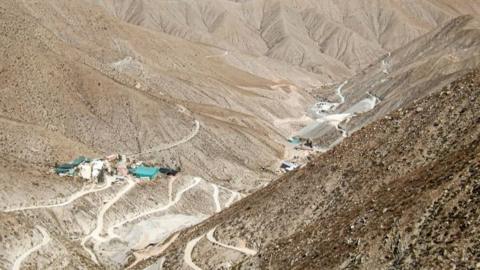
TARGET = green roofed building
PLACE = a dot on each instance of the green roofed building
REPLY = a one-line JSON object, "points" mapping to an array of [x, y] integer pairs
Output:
{"points": [[69, 167], [142, 171]]}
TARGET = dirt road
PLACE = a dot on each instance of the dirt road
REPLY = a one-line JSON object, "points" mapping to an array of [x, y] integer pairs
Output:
{"points": [[246, 251], [21, 258], [75, 196], [165, 147], [187, 255]]}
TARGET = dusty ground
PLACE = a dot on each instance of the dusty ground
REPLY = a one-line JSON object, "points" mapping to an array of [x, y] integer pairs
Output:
{"points": [[99, 77], [401, 193], [334, 38]]}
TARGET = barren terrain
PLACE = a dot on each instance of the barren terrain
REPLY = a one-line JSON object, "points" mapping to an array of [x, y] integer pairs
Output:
{"points": [[401, 192], [383, 89]]}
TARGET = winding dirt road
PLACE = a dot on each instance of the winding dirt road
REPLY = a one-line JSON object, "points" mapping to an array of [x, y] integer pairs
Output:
{"points": [[235, 195], [339, 92], [187, 255], [95, 234], [75, 196], [21, 258], [178, 197], [246, 251], [165, 147], [153, 251]]}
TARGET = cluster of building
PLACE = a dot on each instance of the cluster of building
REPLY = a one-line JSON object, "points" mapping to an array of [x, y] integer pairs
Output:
{"points": [[304, 145], [119, 166]]}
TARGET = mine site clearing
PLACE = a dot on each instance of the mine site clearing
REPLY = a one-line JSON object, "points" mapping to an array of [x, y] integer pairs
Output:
{"points": [[299, 149], [139, 229], [101, 174]]}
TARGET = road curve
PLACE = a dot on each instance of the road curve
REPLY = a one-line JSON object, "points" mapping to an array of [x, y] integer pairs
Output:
{"points": [[339, 92], [178, 196], [154, 251], [75, 196], [160, 148], [21, 258], [187, 255], [95, 234], [246, 251], [234, 196]]}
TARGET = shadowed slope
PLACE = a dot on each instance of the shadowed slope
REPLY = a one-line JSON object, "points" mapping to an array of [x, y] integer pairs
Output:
{"points": [[400, 192]]}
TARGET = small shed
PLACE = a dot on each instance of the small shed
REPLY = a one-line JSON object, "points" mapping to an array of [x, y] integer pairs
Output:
{"points": [[142, 171]]}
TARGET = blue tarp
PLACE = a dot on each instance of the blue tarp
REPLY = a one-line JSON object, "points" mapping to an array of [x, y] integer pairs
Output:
{"points": [[142, 171]]}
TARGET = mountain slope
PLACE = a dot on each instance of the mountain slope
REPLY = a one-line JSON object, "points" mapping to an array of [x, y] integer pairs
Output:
{"points": [[344, 34], [421, 67], [120, 94], [216, 88], [76, 81], [401, 192]]}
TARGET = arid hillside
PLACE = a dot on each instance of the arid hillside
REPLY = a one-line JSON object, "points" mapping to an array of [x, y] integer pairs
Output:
{"points": [[332, 37], [134, 91], [401, 192], [76, 81], [218, 91], [421, 67]]}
